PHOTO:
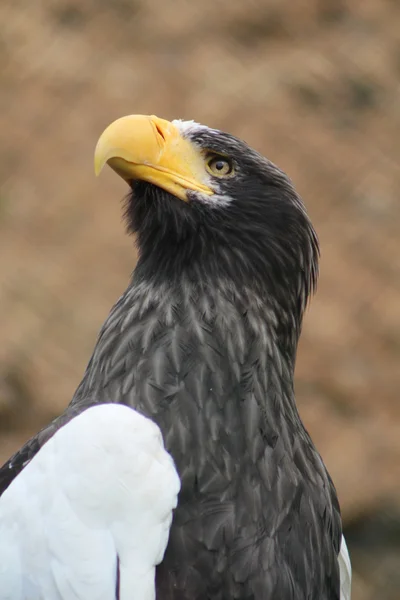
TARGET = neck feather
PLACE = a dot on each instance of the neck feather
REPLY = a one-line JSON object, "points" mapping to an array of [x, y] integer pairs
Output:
{"points": [[159, 331]]}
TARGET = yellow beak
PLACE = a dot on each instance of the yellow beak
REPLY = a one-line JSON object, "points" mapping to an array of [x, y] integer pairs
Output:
{"points": [[146, 148]]}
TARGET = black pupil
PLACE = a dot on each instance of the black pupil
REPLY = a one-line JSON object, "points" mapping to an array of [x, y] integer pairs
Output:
{"points": [[219, 165]]}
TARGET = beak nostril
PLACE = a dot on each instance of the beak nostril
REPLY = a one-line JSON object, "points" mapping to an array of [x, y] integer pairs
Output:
{"points": [[160, 131]]}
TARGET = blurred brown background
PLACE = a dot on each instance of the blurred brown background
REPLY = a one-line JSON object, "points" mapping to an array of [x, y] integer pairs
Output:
{"points": [[315, 86]]}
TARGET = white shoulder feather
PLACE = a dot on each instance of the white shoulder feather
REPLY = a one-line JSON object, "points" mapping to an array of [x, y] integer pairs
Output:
{"points": [[97, 498], [345, 571]]}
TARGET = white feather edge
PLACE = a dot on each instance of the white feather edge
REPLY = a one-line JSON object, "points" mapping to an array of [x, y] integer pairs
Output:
{"points": [[103, 486], [345, 571]]}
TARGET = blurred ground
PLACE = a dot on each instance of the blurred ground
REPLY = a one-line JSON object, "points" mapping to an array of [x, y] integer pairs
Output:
{"points": [[314, 85]]}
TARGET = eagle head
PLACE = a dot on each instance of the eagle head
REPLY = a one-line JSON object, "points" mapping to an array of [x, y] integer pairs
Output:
{"points": [[205, 205]]}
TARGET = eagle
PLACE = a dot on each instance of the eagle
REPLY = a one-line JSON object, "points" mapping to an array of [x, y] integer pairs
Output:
{"points": [[181, 470]]}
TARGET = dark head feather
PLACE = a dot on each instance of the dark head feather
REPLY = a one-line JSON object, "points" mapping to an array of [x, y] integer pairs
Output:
{"points": [[255, 234]]}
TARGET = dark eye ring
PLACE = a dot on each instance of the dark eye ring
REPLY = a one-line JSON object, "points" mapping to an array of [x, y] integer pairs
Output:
{"points": [[219, 166]]}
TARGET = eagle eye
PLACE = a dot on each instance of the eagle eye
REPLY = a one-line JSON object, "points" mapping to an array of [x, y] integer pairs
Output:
{"points": [[219, 166]]}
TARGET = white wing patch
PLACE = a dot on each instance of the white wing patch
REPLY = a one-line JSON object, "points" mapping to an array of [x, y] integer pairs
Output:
{"points": [[345, 571], [102, 489]]}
